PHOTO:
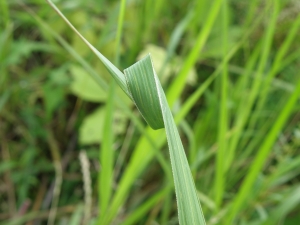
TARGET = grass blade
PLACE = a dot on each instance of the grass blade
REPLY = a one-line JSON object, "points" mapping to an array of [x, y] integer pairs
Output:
{"points": [[243, 116], [107, 152], [219, 178], [140, 75], [263, 152], [107, 155], [113, 70], [177, 86], [145, 207]]}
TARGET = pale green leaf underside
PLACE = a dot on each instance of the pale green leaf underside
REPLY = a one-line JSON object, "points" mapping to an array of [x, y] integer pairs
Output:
{"points": [[89, 132]]}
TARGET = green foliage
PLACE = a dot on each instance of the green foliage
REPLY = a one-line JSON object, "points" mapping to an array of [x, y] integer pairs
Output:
{"points": [[84, 87], [230, 73]]}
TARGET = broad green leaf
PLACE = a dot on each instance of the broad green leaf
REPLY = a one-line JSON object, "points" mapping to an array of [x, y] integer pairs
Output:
{"points": [[90, 131], [84, 86]]}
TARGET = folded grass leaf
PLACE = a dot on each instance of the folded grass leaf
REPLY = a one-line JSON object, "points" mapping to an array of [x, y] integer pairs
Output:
{"points": [[146, 90]]}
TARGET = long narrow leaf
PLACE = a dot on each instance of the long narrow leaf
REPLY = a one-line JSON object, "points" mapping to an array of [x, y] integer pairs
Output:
{"points": [[107, 153], [146, 90]]}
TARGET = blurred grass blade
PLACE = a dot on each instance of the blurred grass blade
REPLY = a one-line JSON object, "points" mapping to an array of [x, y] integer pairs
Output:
{"points": [[177, 86], [107, 152], [282, 52], [143, 82], [262, 154], [76, 216], [175, 39], [291, 201], [223, 120], [5, 13], [143, 209], [243, 116], [107, 155]]}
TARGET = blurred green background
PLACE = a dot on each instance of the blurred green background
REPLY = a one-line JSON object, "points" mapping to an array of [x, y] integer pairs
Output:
{"points": [[240, 61]]}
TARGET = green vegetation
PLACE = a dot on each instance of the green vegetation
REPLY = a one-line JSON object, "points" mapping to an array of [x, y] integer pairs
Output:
{"points": [[76, 150]]}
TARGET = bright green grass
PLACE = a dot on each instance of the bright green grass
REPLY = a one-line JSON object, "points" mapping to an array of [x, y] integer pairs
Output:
{"points": [[239, 123]]}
